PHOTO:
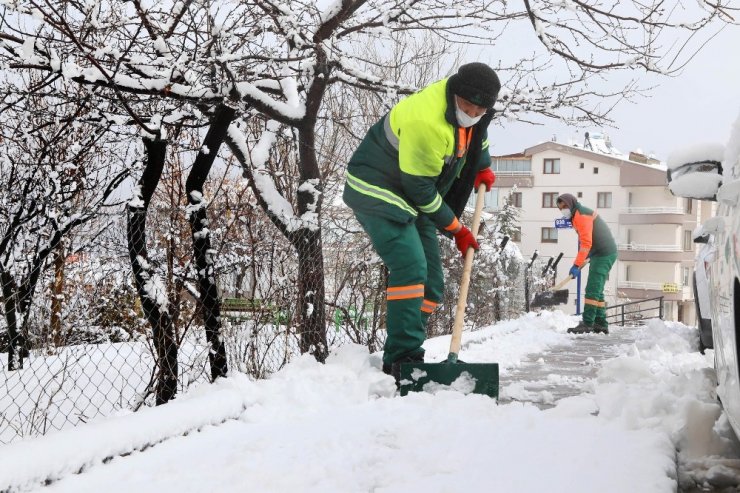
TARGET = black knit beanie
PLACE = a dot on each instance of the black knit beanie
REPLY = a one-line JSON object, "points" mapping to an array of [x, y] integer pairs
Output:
{"points": [[568, 199], [476, 82]]}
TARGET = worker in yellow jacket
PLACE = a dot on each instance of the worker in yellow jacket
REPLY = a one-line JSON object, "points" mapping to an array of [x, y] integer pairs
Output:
{"points": [[412, 175]]}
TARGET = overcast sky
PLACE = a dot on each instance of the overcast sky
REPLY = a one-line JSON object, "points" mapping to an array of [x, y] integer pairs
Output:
{"points": [[697, 106]]}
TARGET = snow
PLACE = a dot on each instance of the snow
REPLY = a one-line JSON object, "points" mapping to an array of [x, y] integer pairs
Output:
{"points": [[339, 427], [698, 185], [293, 109], [332, 9], [257, 157], [696, 154], [701, 178]]}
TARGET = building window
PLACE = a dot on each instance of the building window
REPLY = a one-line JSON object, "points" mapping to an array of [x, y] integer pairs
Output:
{"points": [[580, 195], [688, 242], [551, 166], [490, 199], [688, 206], [582, 165], [685, 277], [604, 200], [549, 235], [549, 199], [627, 272], [629, 199], [516, 235], [596, 170], [516, 199]]}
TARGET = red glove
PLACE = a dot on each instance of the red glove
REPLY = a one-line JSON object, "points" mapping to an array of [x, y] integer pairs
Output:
{"points": [[485, 176], [464, 239]]}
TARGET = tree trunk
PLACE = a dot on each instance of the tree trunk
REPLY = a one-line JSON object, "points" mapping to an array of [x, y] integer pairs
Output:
{"points": [[210, 303], [307, 242], [155, 309], [311, 300], [15, 341], [57, 290]]}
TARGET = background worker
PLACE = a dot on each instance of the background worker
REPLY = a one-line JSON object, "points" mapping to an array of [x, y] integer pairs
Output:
{"points": [[412, 175], [596, 244]]}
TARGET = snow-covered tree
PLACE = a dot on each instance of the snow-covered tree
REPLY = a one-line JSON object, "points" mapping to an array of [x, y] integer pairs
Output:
{"points": [[57, 171], [167, 63]]}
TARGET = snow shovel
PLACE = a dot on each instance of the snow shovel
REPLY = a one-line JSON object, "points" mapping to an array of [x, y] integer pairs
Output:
{"points": [[555, 295], [478, 378]]}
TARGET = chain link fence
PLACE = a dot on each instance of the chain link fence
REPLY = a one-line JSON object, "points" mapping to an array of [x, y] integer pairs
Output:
{"points": [[86, 349], [83, 347]]}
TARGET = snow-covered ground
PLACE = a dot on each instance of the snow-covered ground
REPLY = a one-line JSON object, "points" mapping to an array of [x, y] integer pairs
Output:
{"points": [[339, 427]]}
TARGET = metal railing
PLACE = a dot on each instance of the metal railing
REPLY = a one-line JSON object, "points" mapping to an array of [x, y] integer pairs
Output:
{"points": [[653, 210], [658, 286], [642, 247], [665, 287], [514, 173], [635, 311]]}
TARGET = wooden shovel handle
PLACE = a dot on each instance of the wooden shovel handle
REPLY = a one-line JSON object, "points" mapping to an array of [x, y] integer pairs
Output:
{"points": [[462, 298], [567, 279], [561, 284]]}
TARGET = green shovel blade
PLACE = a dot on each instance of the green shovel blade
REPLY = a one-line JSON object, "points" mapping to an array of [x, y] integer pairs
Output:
{"points": [[476, 378]]}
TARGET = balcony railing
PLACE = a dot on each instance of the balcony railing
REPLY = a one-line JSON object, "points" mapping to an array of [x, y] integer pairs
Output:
{"points": [[665, 287], [653, 210], [637, 247], [513, 173], [657, 286]]}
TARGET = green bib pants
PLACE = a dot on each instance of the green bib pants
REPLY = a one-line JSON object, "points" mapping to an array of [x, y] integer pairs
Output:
{"points": [[415, 281], [594, 311]]}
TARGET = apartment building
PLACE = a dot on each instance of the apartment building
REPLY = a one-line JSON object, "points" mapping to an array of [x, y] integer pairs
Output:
{"points": [[653, 229]]}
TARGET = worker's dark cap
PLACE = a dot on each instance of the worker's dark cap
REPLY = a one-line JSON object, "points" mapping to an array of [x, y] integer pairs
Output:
{"points": [[477, 83]]}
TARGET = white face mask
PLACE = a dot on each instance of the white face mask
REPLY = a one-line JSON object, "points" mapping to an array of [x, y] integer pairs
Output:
{"points": [[566, 213], [463, 119]]}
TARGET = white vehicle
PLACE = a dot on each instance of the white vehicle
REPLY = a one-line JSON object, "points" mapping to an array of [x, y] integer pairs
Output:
{"points": [[700, 283], [713, 173]]}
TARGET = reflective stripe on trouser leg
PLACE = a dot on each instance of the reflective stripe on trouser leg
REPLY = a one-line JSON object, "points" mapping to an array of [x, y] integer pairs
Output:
{"points": [[427, 308], [401, 249], [598, 271], [434, 285], [601, 315], [590, 309]]}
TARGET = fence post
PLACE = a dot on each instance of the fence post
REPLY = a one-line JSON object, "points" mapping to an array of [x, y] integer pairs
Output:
{"points": [[660, 308], [623, 315]]}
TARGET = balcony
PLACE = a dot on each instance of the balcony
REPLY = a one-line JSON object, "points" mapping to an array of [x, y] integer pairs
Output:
{"points": [[507, 179], [649, 248], [652, 253], [655, 286], [524, 172], [652, 210], [653, 215], [644, 290]]}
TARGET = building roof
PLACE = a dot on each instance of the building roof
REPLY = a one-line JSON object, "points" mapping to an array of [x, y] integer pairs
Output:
{"points": [[516, 155], [634, 173]]}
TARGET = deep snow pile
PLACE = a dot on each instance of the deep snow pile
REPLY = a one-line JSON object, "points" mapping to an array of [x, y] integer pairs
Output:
{"points": [[337, 428]]}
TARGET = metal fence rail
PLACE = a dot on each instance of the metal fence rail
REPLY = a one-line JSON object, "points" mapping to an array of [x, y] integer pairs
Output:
{"points": [[635, 311]]}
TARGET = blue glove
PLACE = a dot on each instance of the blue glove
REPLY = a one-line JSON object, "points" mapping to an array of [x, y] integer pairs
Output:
{"points": [[574, 272]]}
